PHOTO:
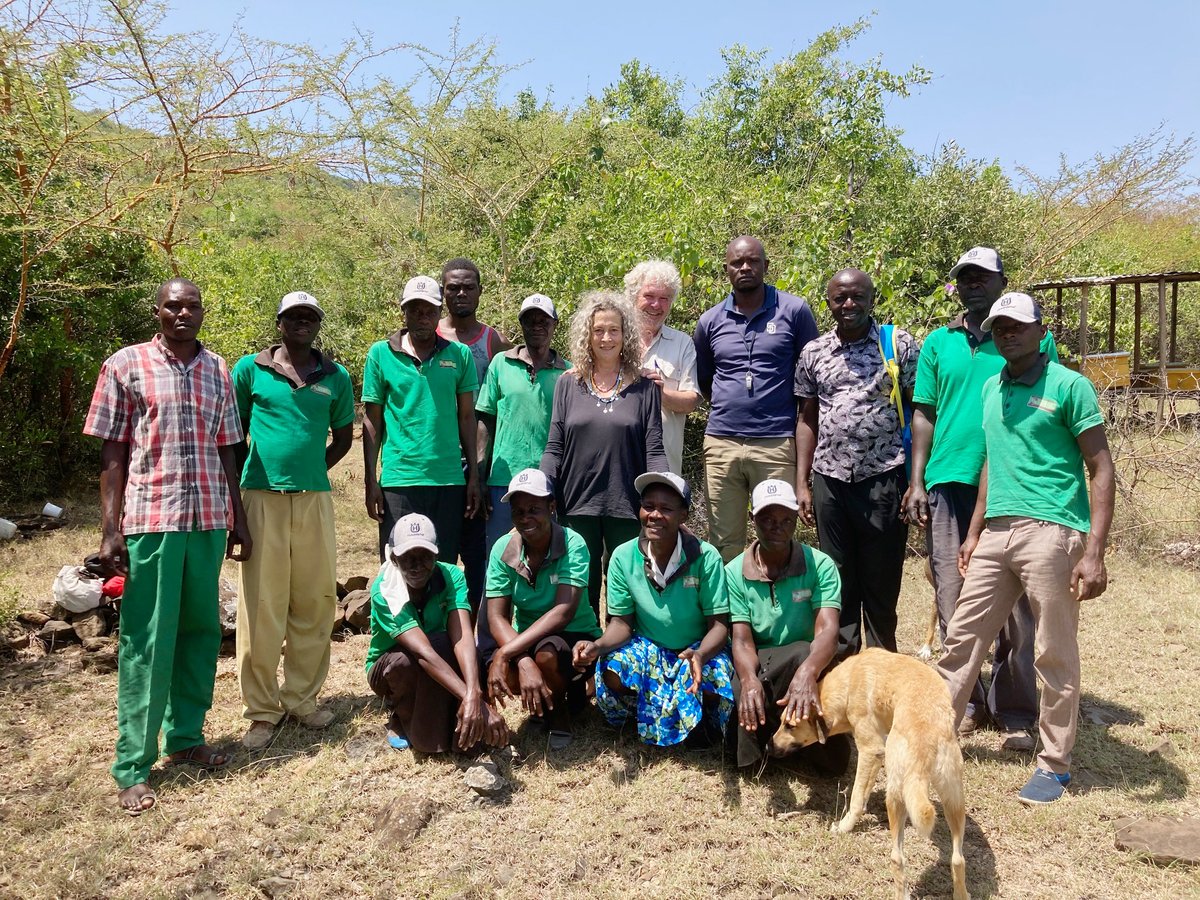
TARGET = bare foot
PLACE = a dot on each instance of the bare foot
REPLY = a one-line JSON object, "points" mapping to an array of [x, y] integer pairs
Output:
{"points": [[137, 799]]}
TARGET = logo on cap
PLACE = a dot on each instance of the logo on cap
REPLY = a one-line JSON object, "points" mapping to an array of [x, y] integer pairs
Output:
{"points": [[414, 527], [1006, 300], [523, 477], [972, 253], [772, 489]]}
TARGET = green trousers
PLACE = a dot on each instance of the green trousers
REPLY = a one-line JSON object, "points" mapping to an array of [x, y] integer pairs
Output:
{"points": [[603, 535], [170, 637]]}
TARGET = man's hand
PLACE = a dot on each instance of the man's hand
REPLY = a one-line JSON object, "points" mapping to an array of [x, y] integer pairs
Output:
{"points": [[695, 666], [751, 707], [471, 719], [536, 696], [375, 505], [966, 551], [584, 654], [804, 500], [497, 679], [474, 500], [914, 508], [495, 731], [114, 554], [654, 375], [239, 537], [1089, 578], [802, 701]]}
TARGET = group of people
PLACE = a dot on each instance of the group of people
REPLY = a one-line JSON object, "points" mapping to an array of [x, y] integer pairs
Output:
{"points": [[555, 482]]}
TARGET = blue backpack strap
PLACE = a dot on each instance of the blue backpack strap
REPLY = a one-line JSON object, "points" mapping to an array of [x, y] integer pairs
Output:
{"points": [[887, 341]]}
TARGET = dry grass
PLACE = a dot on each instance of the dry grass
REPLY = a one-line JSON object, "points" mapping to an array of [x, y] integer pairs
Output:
{"points": [[605, 819]]}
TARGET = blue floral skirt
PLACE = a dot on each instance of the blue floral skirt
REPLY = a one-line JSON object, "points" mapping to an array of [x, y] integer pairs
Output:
{"points": [[666, 713]]}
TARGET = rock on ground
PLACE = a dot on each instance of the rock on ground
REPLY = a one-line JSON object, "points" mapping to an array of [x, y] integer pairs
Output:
{"points": [[1164, 840], [485, 779]]}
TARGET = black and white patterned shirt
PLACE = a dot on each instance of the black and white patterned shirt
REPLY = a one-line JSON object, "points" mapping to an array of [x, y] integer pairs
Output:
{"points": [[858, 428]]}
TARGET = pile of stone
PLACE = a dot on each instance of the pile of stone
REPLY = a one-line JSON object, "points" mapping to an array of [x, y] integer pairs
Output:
{"points": [[52, 629], [352, 616]]}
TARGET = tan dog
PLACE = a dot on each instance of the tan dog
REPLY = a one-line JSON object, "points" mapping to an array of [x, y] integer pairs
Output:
{"points": [[899, 712], [926, 651]]}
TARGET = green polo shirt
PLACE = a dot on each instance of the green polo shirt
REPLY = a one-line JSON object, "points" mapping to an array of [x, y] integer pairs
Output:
{"points": [[673, 616], [521, 401], [420, 410], [1035, 466], [532, 593], [783, 611], [951, 372], [289, 423], [389, 620]]}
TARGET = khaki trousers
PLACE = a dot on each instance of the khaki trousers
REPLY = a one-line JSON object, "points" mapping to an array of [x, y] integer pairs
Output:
{"points": [[732, 468], [287, 594], [1018, 555]]}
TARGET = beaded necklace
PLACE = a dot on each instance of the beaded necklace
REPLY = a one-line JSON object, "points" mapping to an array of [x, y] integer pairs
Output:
{"points": [[606, 403]]}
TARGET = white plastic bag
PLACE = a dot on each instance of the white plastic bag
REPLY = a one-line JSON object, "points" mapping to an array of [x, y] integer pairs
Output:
{"points": [[76, 590]]}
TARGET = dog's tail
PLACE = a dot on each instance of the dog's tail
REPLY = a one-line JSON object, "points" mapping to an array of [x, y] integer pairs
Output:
{"points": [[915, 790]]}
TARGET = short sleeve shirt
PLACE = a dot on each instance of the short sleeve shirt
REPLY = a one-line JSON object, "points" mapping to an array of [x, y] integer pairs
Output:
{"points": [[532, 593], [764, 346], [289, 423], [784, 611], [674, 355], [951, 372], [1035, 466], [420, 410], [858, 427], [673, 616], [521, 400], [174, 416], [393, 614]]}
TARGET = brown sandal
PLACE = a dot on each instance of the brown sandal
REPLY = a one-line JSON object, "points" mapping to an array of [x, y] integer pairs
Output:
{"points": [[202, 756]]}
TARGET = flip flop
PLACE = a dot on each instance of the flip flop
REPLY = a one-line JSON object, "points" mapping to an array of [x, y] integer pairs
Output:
{"points": [[560, 740], [396, 742], [202, 756], [140, 808]]}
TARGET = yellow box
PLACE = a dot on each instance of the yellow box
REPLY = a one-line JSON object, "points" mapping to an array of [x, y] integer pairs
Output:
{"points": [[1107, 370]]}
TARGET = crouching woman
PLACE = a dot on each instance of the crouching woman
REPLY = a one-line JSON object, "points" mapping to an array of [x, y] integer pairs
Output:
{"points": [[537, 607], [784, 602], [422, 658], [662, 659]]}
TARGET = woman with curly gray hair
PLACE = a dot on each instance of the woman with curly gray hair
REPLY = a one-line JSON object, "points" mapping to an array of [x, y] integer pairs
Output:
{"points": [[605, 430]]}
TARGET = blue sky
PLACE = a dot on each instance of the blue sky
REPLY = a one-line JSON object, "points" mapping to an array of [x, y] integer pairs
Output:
{"points": [[1019, 82]]}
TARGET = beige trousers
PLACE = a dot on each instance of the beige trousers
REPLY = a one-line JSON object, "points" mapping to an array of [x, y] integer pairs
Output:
{"points": [[1018, 555], [732, 468], [287, 595]]}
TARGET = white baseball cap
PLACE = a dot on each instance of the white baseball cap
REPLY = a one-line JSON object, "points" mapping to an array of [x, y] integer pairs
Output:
{"points": [[413, 532], [422, 287], [534, 482], [984, 257], [1016, 306], [670, 479], [298, 299], [772, 492], [539, 302]]}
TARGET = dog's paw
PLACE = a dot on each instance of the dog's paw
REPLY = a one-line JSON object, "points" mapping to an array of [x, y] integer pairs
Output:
{"points": [[843, 826], [926, 652]]}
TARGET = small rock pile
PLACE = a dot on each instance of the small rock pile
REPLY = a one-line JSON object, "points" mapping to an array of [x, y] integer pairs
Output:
{"points": [[50, 629], [1184, 553]]}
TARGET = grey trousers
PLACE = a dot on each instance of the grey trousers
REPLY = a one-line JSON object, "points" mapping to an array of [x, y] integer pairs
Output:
{"points": [[1012, 699]]}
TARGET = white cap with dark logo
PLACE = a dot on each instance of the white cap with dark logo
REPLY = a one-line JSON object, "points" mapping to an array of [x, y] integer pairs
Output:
{"points": [[534, 482], [1016, 306], [539, 302], [413, 532], [669, 479], [772, 492], [984, 257], [297, 300], [422, 288]]}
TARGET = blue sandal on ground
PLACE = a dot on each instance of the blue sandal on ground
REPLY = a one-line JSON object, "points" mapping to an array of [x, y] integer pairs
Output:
{"points": [[397, 742]]}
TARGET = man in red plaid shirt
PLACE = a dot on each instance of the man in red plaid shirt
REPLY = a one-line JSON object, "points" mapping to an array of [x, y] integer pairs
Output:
{"points": [[168, 482]]}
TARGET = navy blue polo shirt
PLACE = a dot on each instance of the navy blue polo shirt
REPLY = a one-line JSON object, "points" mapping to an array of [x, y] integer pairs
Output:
{"points": [[767, 346]]}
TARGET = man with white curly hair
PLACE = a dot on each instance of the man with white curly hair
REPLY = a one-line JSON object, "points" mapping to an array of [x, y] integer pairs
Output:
{"points": [[668, 354]]}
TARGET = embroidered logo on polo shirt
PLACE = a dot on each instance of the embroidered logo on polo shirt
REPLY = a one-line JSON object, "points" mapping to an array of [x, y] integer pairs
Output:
{"points": [[691, 581], [321, 389], [554, 578], [770, 328], [1045, 404], [800, 595], [446, 363]]}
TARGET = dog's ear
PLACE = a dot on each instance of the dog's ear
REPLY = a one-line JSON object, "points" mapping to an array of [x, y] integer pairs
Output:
{"points": [[822, 731]]}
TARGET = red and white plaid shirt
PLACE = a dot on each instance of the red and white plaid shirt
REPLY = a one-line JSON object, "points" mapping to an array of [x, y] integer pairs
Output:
{"points": [[174, 417]]}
